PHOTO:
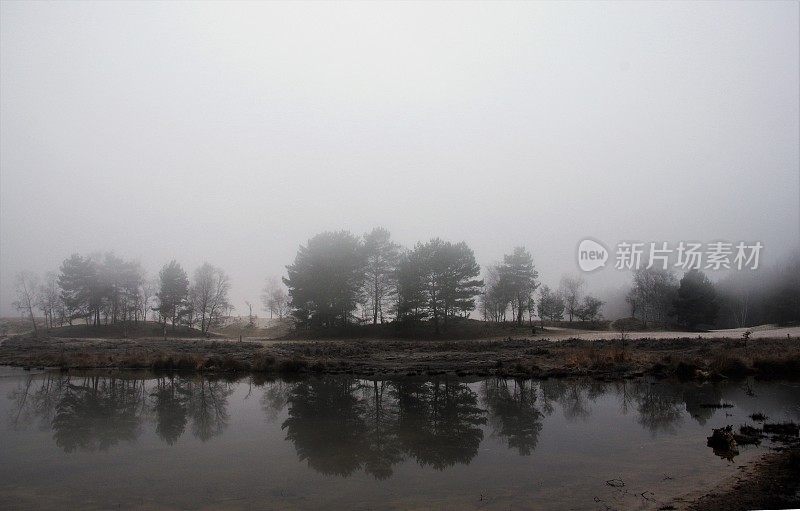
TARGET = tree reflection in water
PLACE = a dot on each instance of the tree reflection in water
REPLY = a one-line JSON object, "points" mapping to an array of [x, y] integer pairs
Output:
{"points": [[514, 413], [439, 422], [340, 425], [90, 413], [170, 399], [97, 413]]}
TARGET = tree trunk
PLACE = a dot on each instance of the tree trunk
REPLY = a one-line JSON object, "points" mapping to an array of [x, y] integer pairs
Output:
{"points": [[375, 301]]}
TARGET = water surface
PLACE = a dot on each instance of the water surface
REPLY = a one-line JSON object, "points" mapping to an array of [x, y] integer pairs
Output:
{"points": [[140, 440]]}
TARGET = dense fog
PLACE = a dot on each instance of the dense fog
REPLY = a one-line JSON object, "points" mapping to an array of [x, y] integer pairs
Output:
{"points": [[231, 136]]}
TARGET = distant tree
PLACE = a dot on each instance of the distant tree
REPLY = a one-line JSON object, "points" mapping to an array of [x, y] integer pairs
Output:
{"points": [[209, 295], [251, 320], [325, 279], [275, 299], [112, 276], [656, 290], [782, 298], [570, 288], [497, 294], [381, 258], [25, 286], [173, 292], [632, 298], [737, 295], [437, 280], [49, 302], [128, 283], [696, 301], [551, 305], [149, 290], [519, 275], [78, 281], [589, 310]]}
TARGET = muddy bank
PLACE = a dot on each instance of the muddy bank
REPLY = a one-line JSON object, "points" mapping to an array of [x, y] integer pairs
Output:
{"points": [[772, 482], [538, 358]]}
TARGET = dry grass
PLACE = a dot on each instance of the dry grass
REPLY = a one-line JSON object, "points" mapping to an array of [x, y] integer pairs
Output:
{"points": [[682, 358]]}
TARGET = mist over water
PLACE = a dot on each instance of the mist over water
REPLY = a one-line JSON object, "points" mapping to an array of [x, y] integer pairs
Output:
{"points": [[204, 133]]}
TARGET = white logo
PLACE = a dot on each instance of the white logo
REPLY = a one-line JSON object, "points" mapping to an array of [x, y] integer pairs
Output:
{"points": [[591, 255]]}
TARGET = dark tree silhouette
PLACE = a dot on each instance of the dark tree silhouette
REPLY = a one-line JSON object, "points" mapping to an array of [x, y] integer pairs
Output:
{"points": [[173, 292], [697, 300], [437, 280], [325, 280]]}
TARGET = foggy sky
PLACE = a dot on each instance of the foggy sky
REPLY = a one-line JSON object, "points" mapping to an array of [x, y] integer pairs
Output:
{"points": [[232, 133]]}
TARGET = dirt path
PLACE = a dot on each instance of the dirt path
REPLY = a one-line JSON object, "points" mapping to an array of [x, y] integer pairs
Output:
{"points": [[759, 332]]}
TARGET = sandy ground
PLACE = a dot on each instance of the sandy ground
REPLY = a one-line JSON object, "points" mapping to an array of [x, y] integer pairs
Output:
{"points": [[758, 332]]}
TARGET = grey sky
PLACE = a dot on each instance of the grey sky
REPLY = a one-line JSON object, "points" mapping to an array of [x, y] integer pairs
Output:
{"points": [[231, 133]]}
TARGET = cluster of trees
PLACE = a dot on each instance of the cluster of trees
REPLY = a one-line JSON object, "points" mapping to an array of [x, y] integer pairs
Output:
{"points": [[511, 285], [657, 297], [769, 296], [336, 275], [740, 299], [98, 289], [338, 278], [106, 289]]}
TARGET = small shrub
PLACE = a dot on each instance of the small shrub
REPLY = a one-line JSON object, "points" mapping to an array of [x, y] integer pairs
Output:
{"points": [[292, 365], [685, 370], [225, 363], [777, 366], [732, 367], [263, 362]]}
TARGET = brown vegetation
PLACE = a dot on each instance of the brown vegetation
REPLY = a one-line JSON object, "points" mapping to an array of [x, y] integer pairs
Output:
{"points": [[682, 358]]}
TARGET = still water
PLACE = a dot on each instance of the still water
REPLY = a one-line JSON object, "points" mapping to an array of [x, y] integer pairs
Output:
{"points": [[146, 441]]}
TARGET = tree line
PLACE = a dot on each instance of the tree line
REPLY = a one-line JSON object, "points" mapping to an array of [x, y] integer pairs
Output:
{"points": [[740, 299], [103, 289], [338, 278]]}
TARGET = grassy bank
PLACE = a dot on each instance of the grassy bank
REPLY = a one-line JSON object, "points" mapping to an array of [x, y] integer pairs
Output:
{"points": [[683, 358]]}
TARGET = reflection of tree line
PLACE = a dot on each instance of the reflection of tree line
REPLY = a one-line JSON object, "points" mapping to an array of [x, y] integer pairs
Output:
{"points": [[340, 425], [91, 413]]}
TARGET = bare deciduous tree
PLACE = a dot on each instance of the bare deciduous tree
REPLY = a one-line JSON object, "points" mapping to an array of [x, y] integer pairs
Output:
{"points": [[275, 299], [49, 302], [26, 286], [209, 295], [570, 288]]}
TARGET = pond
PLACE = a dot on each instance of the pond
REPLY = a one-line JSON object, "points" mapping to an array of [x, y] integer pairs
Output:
{"points": [[144, 441]]}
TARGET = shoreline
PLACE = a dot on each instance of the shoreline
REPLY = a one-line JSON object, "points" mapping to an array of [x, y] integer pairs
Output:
{"points": [[684, 358], [772, 481]]}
